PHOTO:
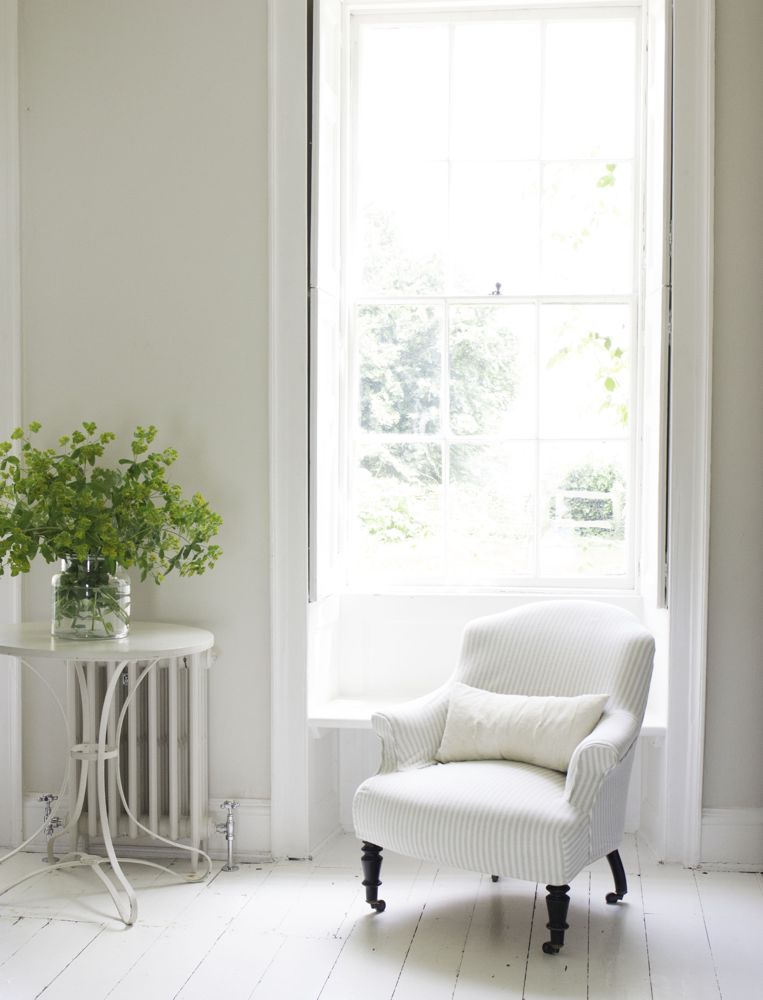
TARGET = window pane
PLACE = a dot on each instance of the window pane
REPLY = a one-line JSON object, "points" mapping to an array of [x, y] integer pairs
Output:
{"points": [[491, 514], [492, 370], [584, 371], [403, 91], [590, 99], [582, 503], [494, 228], [496, 90], [587, 228], [399, 513], [402, 223], [491, 430], [399, 365]]}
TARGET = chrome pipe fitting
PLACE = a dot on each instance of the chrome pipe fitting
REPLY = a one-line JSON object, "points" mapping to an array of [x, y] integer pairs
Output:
{"points": [[50, 825], [227, 829]]}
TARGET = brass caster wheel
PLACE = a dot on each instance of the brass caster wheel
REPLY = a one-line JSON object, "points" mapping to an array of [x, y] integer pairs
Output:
{"points": [[550, 949], [613, 897], [380, 906], [493, 878]]}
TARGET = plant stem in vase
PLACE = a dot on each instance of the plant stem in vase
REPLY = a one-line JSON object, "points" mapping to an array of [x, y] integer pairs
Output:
{"points": [[89, 601]]}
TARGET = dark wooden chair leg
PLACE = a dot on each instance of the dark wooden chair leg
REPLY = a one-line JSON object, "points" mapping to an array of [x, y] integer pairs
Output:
{"points": [[371, 860], [618, 872], [557, 903]]}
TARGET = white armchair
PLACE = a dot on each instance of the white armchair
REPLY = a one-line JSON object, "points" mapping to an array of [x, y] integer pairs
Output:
{"points": [[506, 817]]}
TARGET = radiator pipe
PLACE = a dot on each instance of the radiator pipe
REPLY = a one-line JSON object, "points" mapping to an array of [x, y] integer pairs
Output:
{"points": [[227, 829], [50, 827]]}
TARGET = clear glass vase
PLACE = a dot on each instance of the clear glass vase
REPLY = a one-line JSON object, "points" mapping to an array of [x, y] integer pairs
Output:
{"points": [[89, 602]]}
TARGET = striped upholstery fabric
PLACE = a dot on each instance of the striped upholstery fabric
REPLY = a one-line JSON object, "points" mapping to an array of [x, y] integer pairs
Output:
{"points": [[502, 817]]}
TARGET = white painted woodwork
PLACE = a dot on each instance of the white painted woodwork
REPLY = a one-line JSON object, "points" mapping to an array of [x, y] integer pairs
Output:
{"points": [[734, 941], [107, 959], [288, 384], [675, 830], [732, 839], [10, 404], [40, 959], [680, 955], [302, 929], [690, 396]]}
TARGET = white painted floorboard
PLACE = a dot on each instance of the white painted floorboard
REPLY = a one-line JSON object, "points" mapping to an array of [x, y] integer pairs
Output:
{"points": [[302, 931]]}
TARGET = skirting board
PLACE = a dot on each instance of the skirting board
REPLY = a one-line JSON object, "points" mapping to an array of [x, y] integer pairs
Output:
{"points": [[732, 839], [251, 834]]}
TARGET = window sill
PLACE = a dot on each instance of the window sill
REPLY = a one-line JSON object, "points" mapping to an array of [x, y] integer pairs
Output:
{"points": [[355, 713]]}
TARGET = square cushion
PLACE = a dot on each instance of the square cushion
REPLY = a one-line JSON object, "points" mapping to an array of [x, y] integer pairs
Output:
{"points": [[482, 725]]}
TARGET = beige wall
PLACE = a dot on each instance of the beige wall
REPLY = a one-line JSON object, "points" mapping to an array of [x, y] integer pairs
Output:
{"points": [[144, 284], [734, 733]]}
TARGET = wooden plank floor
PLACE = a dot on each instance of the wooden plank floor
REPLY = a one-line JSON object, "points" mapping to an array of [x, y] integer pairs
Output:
{"points": [[302, 931]]}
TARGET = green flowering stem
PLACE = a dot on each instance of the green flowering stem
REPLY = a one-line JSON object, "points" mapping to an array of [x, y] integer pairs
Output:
{"points": [[63, 503]]}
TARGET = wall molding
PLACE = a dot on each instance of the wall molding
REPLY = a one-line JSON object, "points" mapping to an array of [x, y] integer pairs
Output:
{"points": [[732, 839], [10, 405], [690, 419], [288, 332], [679, 827], [251, 843], [251, 837]]}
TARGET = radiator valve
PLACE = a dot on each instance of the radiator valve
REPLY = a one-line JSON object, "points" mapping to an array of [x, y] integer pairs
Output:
{"points": [[227, 829], [50, 825]]}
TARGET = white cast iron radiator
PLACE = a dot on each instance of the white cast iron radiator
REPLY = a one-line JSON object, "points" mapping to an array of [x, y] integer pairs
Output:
{"points": [[163, 751]]}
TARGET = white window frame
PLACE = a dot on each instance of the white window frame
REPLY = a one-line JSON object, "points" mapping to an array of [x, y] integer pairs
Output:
{"points": [[355, 14], [389, 642], [688, 490]]}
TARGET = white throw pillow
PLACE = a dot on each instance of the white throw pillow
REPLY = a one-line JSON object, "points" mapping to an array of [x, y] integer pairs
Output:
{"points": [[482, 725]]}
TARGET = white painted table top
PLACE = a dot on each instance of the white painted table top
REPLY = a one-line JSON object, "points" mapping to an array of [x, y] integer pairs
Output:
{"points": [[144, 641]]}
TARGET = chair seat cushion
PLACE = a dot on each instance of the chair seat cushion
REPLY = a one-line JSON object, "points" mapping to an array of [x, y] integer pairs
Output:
{"points": [[498, 817]]}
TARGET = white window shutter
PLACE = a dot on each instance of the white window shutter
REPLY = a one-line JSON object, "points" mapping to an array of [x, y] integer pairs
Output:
{"points": [[326, 358], [656, 298]]}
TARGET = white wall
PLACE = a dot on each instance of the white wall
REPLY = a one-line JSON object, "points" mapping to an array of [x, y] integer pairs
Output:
{"points": [[144, 299], [734, 728], [144, 265]]}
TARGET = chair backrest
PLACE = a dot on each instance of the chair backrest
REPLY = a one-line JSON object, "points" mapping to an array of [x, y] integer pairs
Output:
{"points": [[561, 648]]}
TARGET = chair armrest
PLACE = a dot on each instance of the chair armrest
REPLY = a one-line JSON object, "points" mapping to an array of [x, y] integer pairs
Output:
{"points": [[411, 733], [597, 754]]}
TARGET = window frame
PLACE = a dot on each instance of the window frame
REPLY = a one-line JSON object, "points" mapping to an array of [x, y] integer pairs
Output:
{"points": [[297, 823], [354, 14]]}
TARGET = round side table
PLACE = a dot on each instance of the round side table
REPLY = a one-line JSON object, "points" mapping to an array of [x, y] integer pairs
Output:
{"points": [[147, 643]]}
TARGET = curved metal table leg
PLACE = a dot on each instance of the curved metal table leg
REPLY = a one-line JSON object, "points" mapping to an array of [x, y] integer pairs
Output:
{"points": [[116, 883]]}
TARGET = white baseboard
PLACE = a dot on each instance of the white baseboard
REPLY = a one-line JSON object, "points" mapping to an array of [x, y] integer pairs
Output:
{"points": [[251, 838], [32, 815], [652, 811], [338, 829], [732, 839]]}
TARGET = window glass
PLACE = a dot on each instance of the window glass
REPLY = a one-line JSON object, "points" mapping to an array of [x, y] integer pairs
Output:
{"points": [[491, 187]]}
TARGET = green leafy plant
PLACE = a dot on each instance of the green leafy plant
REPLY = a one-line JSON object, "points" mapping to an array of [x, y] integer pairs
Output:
{"points": [[63, 504]]}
